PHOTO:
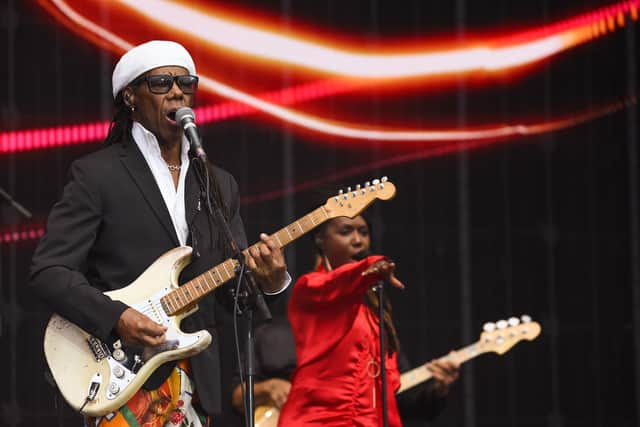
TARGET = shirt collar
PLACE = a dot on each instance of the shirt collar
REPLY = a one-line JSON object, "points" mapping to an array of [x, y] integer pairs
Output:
{"points": [[148, 142]]}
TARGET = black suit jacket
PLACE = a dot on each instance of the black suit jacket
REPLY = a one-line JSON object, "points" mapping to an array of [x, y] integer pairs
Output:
{"points": [[109, 226]]}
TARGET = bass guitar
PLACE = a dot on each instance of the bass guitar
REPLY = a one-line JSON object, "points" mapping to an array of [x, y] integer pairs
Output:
{"points": [[497, 337]]}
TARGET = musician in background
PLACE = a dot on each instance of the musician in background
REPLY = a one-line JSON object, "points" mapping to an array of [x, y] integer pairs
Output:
{"points": [[123, 207], [335, 323]]}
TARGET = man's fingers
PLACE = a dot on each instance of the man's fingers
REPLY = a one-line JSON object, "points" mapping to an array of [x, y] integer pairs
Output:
{"points": [[151, 340], [271, 244]]}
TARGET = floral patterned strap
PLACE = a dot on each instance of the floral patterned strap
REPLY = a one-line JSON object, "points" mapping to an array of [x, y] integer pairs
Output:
{"points": [[170, 405]]}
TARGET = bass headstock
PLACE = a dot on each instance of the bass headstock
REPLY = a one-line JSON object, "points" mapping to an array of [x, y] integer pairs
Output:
{"points": [[500, 336]]}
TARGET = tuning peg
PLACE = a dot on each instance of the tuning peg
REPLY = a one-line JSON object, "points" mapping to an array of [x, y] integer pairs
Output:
{"points": [[384, 179], [366, 184], [348, 189], [513, 321], [340, 192], [358, 187], [525, 318], [376, 181], [501, 324], [489, 327]]}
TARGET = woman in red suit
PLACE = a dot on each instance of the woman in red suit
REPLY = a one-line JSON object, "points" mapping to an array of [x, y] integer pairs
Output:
{"points": [[336, 330]]}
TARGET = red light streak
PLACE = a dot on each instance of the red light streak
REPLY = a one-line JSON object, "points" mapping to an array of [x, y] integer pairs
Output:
{"points": [[22, 233], [492, 55]]}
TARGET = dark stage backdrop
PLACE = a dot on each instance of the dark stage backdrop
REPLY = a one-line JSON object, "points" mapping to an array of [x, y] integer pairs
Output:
{"points": [[545, 224]]}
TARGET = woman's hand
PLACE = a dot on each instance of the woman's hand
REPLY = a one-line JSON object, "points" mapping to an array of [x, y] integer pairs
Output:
{"points": [[385, 269], [445, 372], [135, 328], [273, 391], [267, 262], [278, 391]]}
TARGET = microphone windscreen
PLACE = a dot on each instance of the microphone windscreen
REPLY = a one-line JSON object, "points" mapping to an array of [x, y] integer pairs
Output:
{"points": [[185, 113]]}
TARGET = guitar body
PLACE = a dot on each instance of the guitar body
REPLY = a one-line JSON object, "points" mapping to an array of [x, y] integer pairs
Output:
{"points": [[266, 416], [80, 363]]}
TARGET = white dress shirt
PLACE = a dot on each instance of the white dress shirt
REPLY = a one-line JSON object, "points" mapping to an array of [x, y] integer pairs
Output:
{"points": [[173, 198]]}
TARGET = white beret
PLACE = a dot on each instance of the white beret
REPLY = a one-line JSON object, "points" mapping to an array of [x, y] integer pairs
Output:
{"points": [[147, 56]]}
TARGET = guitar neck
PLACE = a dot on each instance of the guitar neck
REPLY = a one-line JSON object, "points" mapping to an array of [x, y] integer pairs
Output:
{"points": [[197, 288], [421, 374]]}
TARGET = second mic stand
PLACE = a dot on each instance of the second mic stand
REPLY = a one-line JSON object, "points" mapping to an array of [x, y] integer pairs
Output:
{"points": [[383, 367], [254, 298]]}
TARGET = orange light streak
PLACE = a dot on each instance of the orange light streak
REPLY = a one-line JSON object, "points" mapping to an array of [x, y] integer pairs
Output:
{"points": [[574, 31], [335, 60]]}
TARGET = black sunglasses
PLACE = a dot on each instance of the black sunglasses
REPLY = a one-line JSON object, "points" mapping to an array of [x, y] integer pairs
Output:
{"points": [[162, 83]]}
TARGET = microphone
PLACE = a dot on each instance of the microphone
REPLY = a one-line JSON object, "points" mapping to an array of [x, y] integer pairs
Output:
{"points": [[187, 119]]}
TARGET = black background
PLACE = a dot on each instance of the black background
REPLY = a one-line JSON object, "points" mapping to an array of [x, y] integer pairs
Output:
{"points": [[542, 225]]}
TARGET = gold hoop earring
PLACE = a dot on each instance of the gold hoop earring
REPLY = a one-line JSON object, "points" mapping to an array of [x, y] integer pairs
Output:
{"points": [[326, 263]]}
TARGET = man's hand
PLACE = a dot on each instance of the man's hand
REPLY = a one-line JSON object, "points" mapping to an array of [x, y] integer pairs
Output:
{"points": [[445, 372], [135, 328], [267, 262]]}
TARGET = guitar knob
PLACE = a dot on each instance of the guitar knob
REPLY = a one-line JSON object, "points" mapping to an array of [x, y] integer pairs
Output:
{"points": [[114, 388], [118, 371], [514, 321], [119, 355], [489, 327], [501, 324], [525, 318]]}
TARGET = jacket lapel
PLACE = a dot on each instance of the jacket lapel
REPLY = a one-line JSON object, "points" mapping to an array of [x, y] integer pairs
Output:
{"points": [[192, 203], [137, 167]]}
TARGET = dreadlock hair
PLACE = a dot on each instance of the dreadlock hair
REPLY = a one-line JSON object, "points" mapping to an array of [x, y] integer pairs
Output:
{"points": [[371, 298], [121, 122]]}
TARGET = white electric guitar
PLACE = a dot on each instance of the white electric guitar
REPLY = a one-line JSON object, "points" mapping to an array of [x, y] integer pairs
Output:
{"points": [[497, 337], [96, 377]]}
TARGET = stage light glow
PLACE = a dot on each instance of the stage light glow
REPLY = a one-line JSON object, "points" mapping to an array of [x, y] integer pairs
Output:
{"points": [[66, 135], [24, 232], [517, 49]]}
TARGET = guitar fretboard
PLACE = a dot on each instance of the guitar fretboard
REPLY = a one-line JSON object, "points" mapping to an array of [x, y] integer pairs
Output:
{"points": [[421, 374], [191, 292]]}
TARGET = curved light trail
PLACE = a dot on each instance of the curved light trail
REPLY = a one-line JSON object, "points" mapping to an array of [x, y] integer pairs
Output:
{"points": [[591, 24], [339, 61]]}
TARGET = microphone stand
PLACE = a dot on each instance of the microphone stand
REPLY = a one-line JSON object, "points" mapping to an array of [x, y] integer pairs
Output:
{"points": [[17, 206], [383, 368], [254, 297]]}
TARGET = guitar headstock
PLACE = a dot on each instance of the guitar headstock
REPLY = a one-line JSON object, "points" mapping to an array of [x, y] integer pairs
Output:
{"points": [[500, 336], [352, 201]]}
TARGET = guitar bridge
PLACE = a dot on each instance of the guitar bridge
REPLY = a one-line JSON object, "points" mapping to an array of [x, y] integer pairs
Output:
{"points": [[98, 348]]}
